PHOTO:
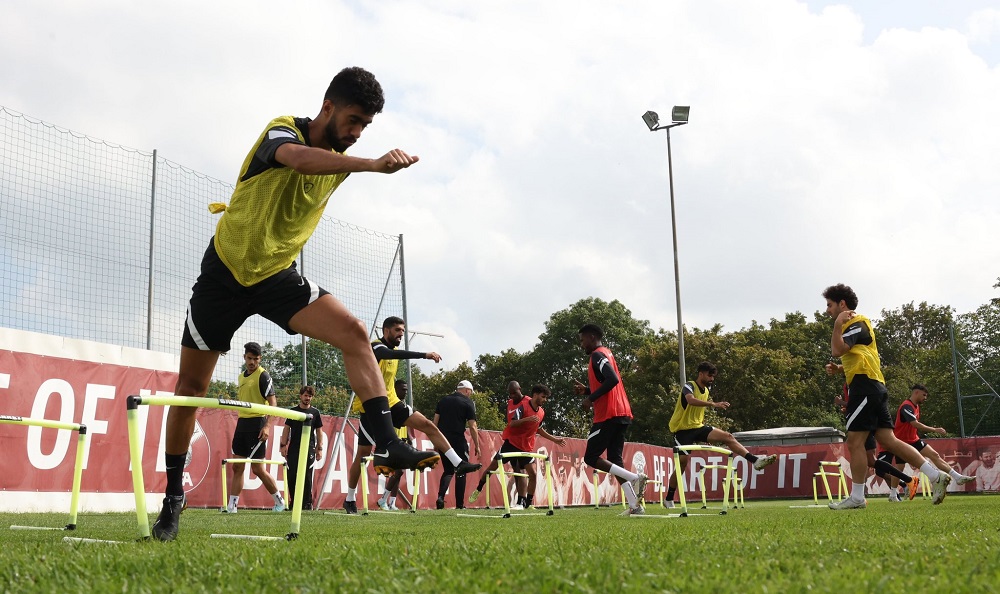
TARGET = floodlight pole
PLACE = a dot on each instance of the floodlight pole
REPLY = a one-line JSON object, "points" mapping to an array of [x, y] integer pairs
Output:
{"points": [[653, 127]]}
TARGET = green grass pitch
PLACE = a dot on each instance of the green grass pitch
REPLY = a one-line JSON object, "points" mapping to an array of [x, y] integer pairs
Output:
{"points": [[768, 547]]}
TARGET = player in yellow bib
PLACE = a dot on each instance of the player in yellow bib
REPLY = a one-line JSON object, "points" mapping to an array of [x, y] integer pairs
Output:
{"points": [[853, 340], [253, 429], [402, 415], [689, 428], [249, 268]]}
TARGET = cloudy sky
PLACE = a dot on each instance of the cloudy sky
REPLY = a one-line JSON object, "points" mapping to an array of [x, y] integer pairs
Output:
{"points": [[829, 142]]}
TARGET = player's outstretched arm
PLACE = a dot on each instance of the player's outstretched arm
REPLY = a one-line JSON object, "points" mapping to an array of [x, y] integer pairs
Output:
{"points": [[316, 161]]}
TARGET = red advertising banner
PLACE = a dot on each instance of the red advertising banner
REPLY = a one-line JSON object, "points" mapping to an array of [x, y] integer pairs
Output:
{"points": [[79, 382]]}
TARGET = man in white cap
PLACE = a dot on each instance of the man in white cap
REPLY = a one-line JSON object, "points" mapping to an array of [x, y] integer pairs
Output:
{"points": [[453, 414]]}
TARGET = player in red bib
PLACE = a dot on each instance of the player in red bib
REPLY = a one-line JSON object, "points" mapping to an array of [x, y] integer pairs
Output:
{"points": [[524, 419], [612, 416], [907, 425]]}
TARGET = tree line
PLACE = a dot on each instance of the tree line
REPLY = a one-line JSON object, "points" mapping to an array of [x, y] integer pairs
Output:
{"points": [[773, 375]]}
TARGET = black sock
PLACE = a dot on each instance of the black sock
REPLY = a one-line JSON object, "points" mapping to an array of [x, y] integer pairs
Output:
{"points": [[670, 493], [750, 457], [887, 468], [175, 473], [529, 500], [380, 421]]}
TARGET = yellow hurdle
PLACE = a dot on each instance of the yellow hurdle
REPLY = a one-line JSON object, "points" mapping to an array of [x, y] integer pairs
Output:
{"points": [[727, 481], [486, 491], [502, 475], [225, 493], [81, 443], [736, 483], [824, 473], [135, 452]]}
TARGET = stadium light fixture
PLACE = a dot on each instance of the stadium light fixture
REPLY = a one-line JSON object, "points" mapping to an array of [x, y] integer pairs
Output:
{"points": [[679, 116]]}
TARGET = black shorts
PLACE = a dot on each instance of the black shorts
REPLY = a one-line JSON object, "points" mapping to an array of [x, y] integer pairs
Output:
{"points": [[607, 436], [220, 304], [247, 436], [918, 445], [517, 463], [686, 437], [871, 443], [400, 413], [868, 412]]}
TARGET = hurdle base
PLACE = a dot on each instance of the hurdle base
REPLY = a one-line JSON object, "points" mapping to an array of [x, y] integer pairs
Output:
{"points": [[291, 536], [70, 527], [550, 513], [506, 515]]}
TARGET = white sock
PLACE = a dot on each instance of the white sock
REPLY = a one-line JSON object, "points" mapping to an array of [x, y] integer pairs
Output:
{"points": [[930, 470], [629, 494], [955, 475], [858, 491], [622, 473], [233, 500], [277, 498], [453, 457], [352, 494], [392, 501]]}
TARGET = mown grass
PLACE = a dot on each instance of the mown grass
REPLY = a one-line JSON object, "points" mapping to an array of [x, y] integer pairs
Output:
{"points": [[768, 547]]}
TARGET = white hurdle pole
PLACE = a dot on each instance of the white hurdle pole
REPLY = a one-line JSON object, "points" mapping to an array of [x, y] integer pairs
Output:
{"points": [[81, 442], [135, 449], [702, 448]]}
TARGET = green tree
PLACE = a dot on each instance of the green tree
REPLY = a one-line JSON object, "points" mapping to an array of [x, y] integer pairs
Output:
{"points": [[494, 372], [325, 365], [557, 359], [915, 347]]}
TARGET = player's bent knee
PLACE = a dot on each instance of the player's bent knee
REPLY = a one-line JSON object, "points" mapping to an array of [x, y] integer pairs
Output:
{"points": [[591, 460]]}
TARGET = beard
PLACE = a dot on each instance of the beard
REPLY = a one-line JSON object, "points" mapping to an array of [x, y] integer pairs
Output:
{"points": [[330, 135]]}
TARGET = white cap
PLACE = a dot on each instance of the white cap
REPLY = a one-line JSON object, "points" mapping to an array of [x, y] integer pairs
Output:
{"points": [[464, 384]]}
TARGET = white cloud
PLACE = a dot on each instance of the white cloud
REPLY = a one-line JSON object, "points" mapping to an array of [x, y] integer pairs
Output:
{"points": [[827, 143]]}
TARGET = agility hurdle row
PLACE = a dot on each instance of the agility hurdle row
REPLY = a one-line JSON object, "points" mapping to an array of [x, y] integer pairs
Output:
{"points": [[225, 493], [81, 442], [726, 482], [503, 474], [486, 491], [736, 483], [135, 452], [364, 488]]}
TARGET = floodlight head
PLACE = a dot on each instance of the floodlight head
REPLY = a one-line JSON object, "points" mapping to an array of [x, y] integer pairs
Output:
{"points": [[652, 119], [680, 113]]}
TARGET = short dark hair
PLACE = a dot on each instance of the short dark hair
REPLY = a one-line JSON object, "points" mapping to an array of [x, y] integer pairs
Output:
{"points": [[399, 381], [541, 389], [920, 387], [356, 86], [307, 389], [392, 321], [252, 348], [707, 367], [593, 330], [841, 292]]}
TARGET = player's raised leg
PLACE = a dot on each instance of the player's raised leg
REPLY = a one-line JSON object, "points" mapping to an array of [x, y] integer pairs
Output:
{"points": [[327, 319]]}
